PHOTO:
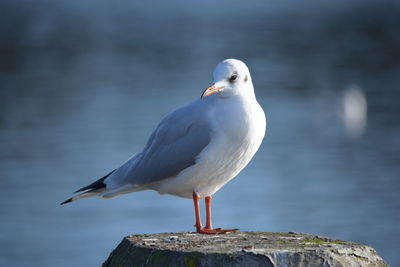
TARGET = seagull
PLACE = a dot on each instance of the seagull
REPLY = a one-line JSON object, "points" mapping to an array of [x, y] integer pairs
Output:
{"points": [[197, 148]]}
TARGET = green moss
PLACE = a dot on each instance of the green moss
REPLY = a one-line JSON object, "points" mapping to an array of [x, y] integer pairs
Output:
{"points": [[323, 241], [192, 259]]}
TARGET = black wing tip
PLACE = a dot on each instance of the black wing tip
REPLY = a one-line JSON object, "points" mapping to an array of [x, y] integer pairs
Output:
{"points": [[96, 185], [82, 189], [66, 201]]}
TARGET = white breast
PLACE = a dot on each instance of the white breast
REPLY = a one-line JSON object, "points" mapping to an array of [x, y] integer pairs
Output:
{"points": [[238, 129]]}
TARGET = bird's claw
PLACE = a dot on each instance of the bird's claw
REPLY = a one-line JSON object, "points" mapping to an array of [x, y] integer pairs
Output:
{"points": [[215, 231]]}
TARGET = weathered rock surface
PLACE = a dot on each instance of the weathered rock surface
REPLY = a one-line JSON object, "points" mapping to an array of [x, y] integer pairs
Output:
{"points": [[241, 249]]}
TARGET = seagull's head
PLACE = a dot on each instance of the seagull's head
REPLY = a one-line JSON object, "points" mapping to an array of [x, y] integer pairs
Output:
{"points": [[231, 77]]}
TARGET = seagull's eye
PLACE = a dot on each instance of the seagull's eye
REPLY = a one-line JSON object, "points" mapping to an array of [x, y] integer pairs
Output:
{"points": [[233, 77]]}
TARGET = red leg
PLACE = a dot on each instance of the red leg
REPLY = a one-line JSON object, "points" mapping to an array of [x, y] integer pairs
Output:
{"points": [[197, 211], [208, 229], [208, 212]]}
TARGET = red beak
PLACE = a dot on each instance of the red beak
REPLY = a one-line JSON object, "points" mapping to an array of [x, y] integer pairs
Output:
{"points": [[211, 90]]}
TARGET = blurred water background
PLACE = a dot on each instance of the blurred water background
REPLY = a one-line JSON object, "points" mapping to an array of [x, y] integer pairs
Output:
{"points": [[83, 84]]}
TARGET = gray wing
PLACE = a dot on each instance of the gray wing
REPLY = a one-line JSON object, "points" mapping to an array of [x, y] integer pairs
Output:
{"points": [[172, 147]]}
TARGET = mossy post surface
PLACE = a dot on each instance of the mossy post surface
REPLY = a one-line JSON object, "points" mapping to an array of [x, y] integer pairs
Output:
{"points": [[241, 249]]}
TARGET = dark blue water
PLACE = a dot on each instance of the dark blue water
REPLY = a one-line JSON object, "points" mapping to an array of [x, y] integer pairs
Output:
{"points": [[83, 85]]}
